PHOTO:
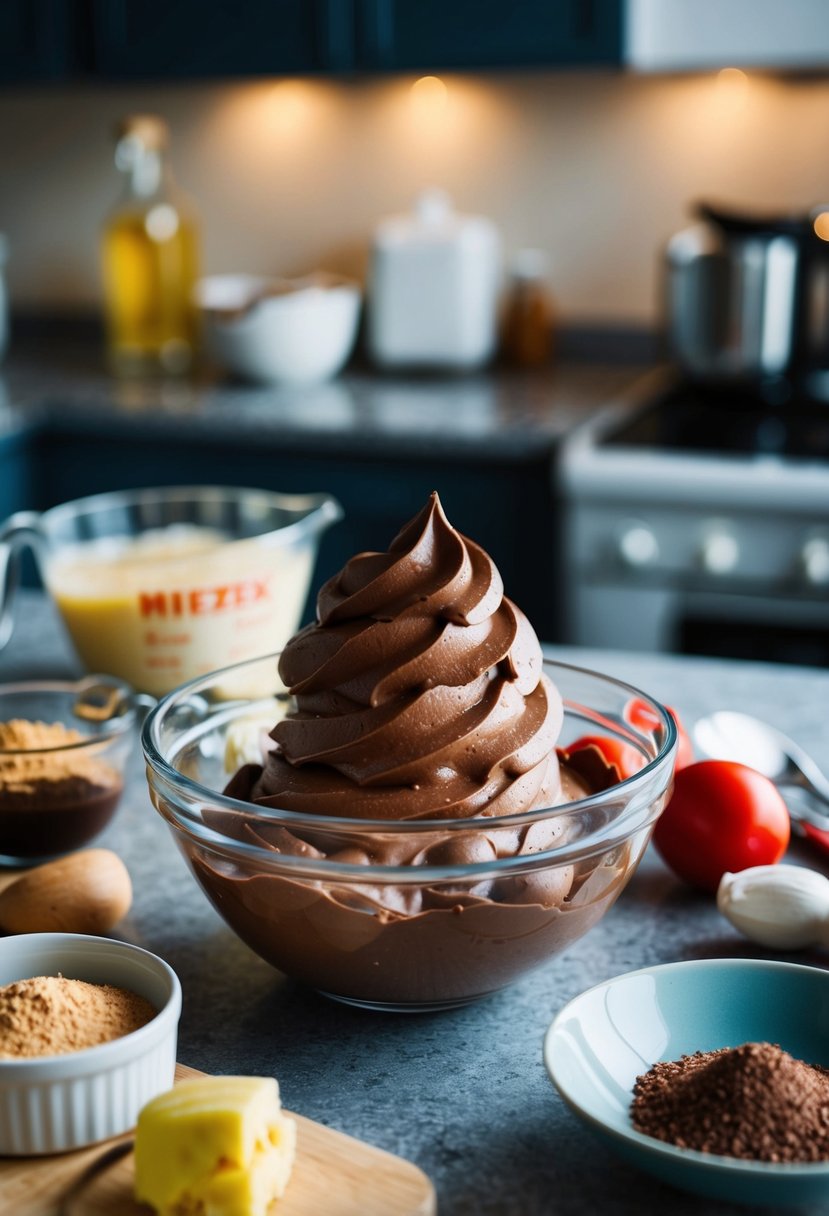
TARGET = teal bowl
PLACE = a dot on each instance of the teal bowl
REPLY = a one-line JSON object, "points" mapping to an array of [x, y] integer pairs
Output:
{"points": [[601, 1041]]}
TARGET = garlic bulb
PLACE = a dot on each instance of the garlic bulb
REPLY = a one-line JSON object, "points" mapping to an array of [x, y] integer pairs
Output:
{"points": [[781, 906]]}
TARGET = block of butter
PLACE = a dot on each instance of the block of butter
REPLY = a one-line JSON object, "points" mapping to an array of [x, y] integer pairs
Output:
{"points": [[214, 1146]]}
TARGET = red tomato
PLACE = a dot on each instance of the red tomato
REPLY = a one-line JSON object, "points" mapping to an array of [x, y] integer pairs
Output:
{"points": [[722, 816], [638, 713], [624, 758]]}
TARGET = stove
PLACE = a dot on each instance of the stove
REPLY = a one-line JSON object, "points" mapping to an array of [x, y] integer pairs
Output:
{"points": [[684, 418], [697, 521]]}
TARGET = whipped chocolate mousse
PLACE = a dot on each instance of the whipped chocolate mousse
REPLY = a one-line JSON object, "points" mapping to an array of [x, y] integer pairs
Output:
{"points": [[419, 696]]}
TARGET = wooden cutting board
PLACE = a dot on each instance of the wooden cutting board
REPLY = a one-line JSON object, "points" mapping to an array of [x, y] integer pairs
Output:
{"points": [[333, 1174]]}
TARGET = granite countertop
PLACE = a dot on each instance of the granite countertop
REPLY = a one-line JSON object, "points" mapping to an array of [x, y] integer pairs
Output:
{"points": [[501, 413], [464, 1094]]}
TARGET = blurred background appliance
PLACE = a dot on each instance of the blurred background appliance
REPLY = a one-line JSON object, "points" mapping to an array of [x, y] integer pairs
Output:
{"points": [[697, 521], [747, 302], [433, 287]]}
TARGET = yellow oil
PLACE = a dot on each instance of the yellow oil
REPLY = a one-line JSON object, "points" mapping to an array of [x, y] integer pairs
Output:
{"points": [[150, 264]]}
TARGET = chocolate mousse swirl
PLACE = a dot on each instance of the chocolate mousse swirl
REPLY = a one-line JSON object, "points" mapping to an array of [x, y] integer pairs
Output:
{"points": [[419, 692]]}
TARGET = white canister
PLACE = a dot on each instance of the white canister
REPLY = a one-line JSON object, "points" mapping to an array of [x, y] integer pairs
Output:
{"points": [[433, 287]]}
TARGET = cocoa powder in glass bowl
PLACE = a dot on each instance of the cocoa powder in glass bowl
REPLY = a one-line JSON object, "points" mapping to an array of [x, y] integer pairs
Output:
{"points": [[63, 747]]}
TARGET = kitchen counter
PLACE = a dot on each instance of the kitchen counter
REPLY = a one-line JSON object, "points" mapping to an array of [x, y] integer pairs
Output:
{"points": [[499, 412], [464, 1094]]}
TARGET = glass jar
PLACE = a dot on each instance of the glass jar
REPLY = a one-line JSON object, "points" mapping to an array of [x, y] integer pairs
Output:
{"points": [[150, 257], [529, 316]]}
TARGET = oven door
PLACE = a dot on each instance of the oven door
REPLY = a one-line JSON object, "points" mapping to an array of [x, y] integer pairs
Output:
{"points": [[769, 628]]}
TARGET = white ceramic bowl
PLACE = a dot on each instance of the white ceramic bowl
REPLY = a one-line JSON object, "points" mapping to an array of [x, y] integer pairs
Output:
{"points": [[51, 1104], [279, 331]]}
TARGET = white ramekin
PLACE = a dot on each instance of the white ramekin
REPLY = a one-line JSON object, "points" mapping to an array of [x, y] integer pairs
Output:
{"points": [[51, 1104]]}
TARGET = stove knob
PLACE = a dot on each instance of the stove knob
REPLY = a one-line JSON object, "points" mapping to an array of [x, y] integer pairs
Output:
{"points": [[814, 560], [638, 546], [719, 552]]}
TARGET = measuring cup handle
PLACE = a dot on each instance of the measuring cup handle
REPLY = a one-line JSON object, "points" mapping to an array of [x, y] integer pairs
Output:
{"points": [[18, 530]]}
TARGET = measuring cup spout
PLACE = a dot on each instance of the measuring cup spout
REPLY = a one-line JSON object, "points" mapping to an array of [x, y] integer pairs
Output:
{"points": [[308, 515]]}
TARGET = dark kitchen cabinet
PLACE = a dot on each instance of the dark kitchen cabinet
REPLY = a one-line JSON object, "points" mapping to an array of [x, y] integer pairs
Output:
{"points": [[37, 40], [431, 35], [199, 38], [179, 39], [190, 38], [16, 474], [42, 40]]}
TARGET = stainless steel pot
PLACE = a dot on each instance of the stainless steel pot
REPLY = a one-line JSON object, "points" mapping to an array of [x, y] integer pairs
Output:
{"points": [[742, 300]]}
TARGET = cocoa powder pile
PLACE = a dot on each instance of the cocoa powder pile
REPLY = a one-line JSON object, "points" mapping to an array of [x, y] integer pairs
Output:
{"points": [[34, 772], [50, 1015], [755, 1102]]}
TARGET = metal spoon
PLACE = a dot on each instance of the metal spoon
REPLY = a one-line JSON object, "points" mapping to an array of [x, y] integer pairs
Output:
{"points": [[726, 735]]}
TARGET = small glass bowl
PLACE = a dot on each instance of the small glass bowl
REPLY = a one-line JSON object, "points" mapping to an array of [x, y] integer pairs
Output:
{"points": [[402, 937], [56, 796]]}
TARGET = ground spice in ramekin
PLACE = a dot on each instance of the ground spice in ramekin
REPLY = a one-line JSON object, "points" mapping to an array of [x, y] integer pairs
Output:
{"points": [[49, 1015], [754, 1102]]}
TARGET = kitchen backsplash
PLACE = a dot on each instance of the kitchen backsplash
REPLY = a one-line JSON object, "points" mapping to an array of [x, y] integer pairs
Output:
{"points": [[596, 169]]}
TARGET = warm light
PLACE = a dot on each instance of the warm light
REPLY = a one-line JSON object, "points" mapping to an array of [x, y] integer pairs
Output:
{"points": [[821, 225], [439, 132], [252, 123], [288, 107], [732, 77], [731, 94], [429, 96]]}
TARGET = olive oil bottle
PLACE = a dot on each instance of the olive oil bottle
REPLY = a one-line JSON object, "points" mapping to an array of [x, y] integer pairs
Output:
{"points": [[150, 257]]}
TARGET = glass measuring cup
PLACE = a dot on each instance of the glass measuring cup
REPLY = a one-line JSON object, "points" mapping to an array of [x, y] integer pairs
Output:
{"points": [[158, 586]]}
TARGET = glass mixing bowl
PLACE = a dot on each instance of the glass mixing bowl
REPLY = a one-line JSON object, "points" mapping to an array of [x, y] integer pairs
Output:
{"points": [[400, 937], [158, 586]]}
